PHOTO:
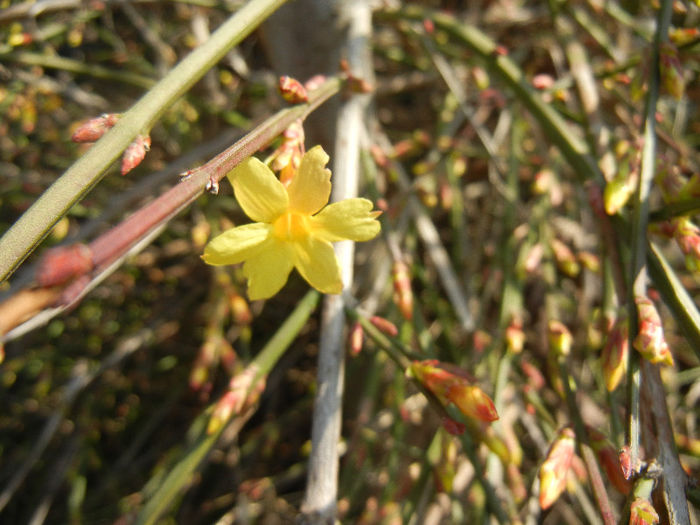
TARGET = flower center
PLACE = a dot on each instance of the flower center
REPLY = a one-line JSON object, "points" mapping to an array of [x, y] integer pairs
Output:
{"points": [[290, 226]]}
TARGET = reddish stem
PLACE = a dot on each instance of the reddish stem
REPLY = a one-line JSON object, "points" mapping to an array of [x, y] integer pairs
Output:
{"points": [[114, 243]]}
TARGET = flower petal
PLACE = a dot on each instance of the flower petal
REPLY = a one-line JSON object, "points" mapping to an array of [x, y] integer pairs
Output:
{"points": [[315, 259], [268, 270], [311, 186], [262, 197], [348, 219], [236, 245]]}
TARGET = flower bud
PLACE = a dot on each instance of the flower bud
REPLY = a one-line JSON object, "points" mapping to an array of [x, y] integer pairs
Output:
{"points": [[555, 468], [472, 402], [402, 289], [135, 153], [642, 512], [565, 258], [560, 338], [93, 129], [650, 341], [515, 337], [384, 325], [356, 339], [243, 393], [615, 351], [292, 90], [451, 384]]}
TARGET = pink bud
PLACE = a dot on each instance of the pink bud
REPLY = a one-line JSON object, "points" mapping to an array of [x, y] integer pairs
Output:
{"points": [[384, 325], [402, 288], [292, 90], [244, 391], [135, 153], [356, 339], [93, 129]]}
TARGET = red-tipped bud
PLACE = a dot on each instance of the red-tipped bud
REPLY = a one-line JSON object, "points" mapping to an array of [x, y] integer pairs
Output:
{"points": [[642, 512], [384, 325], [472, 402], [61, 264], [650, 341], [609, 460], [565, 258], [402, 289], [292, 90], [135, 153], [93, 129], [615, 351], [244, 391], [451, 384], [515, 337], [671, 70], [555, 468], [560, 338], [357, 335]]}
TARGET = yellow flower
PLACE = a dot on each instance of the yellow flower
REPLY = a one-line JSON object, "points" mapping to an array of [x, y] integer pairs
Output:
{"points": [[289, 230]]}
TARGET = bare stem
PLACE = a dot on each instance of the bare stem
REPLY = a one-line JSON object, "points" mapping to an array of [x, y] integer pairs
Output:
{"points": [[322, 484]]}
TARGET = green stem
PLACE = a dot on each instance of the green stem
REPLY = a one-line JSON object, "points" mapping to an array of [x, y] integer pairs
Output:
{"points": [[638, 270], [19, 241], [179, 475]]}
